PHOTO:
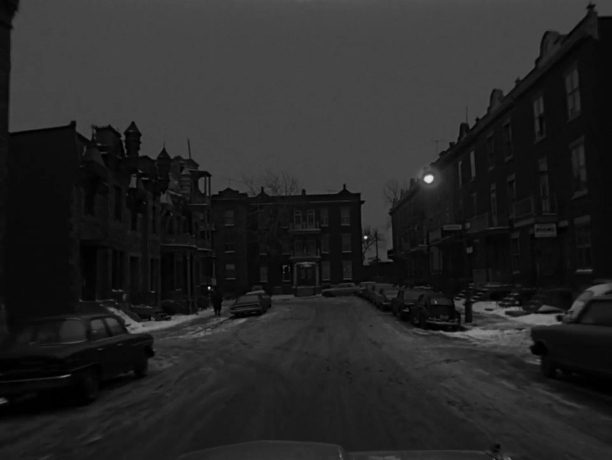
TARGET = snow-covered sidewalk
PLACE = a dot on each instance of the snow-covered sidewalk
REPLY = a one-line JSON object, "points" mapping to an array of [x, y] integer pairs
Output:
{"points": [[148, 326], [494, 329]]}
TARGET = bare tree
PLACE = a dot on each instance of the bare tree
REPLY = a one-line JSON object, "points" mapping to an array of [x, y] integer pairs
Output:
{"points": [[371, 237], [393, 190], [273, 197]]}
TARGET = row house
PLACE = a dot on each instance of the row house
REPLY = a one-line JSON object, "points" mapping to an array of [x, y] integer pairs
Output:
{"points": [[522, 195], [93, 219], [8, 8], [286, 243]]}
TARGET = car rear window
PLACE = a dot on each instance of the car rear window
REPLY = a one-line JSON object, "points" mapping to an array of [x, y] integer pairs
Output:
{"points": [[248, 299], [441, 301], [51, 332], [597, 313]]}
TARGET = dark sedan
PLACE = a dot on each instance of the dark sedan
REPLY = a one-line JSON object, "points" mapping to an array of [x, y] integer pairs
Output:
{"points": [[73, 353], [405, 299], [580, 344], [435, 309], [251, 303]]}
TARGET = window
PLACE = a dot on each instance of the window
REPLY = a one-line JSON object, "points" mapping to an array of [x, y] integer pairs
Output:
{"points": [[325, 270], [347, 270], [90, 202], [494, 204], [474, 204], [325, 244], [345, 216], [118, 203], [324, 217], [572, 91], [490, 151], [134, 219], [117, 268], [230, 247], [297, 218], [311, 247], [153, 219], [579, 167], [544, 185], [286, 273], [263, 274], [538, 118], [346, 242], [230, 271], [460, 178], [507, 139], [98, 330], [583, 247], [473, 163], [228, 217], [286, 246], [515, 253], [597, 313], [263, 248], [115, 326], [511, 192], [310, 217]]}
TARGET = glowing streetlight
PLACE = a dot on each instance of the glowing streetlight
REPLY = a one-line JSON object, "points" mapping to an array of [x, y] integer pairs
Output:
{"points": [[428, 178]]}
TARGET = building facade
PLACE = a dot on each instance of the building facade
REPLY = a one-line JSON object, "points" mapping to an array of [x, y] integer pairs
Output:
{"points": [[8, 8], [522, 195], [287, 243], [93, 219]]}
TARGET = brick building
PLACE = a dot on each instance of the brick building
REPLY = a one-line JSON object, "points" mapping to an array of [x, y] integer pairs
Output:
{"points": [[8, 8], [288, 242], [529, 179], [93, 219]]}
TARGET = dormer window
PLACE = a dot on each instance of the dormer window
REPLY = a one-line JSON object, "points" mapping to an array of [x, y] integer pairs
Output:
{"points": [[572, 91], [538, 118]]}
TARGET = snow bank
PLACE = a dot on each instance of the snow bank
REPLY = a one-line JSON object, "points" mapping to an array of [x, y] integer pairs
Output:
{"points": [[147, 326]]}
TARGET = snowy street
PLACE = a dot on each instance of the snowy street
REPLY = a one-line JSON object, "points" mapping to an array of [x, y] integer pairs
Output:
{"points": [[330, 370]]}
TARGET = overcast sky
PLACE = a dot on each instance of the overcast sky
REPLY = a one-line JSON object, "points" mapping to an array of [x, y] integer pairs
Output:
{"points": [[332, 91]]}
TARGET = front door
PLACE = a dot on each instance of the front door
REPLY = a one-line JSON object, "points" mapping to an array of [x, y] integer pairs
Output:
{"points": [[306, 275]]}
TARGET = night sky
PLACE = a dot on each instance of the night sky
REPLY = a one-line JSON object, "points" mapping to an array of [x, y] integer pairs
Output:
{"points": [[331, 91]]}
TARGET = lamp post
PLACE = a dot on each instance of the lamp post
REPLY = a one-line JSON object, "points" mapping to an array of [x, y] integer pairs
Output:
{"points": [[430, 179]]}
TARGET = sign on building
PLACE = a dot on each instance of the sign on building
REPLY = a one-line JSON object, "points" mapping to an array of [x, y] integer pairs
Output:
{"points": [[545, 230], [451, 227]]}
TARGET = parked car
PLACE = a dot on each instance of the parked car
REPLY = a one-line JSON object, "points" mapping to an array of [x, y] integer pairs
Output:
{"points": [[579, 344], [578, 304], [404, 300], [383, 297], [363, 287], [340, 290], [435, 309], [264, 295], [251, 303], [74, 353], [560, 297]]}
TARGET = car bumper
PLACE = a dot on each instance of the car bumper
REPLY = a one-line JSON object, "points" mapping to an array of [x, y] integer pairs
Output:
{"points": [[16, 387], [437, 322], [242, 310]]}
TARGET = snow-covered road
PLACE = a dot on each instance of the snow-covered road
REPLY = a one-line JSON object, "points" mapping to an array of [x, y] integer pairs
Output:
{"points": [[330, 370]]}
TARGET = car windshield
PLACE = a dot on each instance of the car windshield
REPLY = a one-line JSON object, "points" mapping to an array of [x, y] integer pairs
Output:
{"points": [[248, 298], [50, 332]]}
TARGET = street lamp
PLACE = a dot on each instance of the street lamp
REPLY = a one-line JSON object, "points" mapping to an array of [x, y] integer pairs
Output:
{"points": [[430, 178]]}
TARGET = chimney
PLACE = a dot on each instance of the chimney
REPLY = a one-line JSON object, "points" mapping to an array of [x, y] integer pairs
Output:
{"points": [[262, 190], [343, 186], [451, 145], [132, 140], [303, 191]]}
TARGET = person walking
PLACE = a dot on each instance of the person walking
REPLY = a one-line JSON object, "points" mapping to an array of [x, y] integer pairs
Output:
{"points": [[217, 301]]}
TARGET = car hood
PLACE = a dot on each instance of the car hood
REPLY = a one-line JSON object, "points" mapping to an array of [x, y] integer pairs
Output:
{"points": [[290, 450]]}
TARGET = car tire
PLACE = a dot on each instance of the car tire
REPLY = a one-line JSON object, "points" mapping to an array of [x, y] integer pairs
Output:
{"points": [[547, 366], [87, 386], [141, 368]]}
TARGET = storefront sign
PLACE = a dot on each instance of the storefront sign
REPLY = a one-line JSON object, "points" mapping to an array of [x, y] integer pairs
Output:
{"points": [[545, 230], [451, 227]]}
